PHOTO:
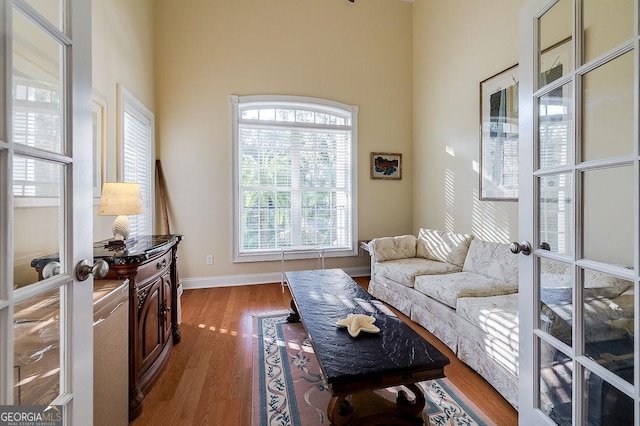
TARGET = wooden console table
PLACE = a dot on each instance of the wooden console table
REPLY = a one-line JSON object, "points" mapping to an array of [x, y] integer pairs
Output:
{"points": [[151, 268]]}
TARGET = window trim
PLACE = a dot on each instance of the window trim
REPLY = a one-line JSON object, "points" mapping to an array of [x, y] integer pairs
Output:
{"points": [[306, 252], [127, 101]]}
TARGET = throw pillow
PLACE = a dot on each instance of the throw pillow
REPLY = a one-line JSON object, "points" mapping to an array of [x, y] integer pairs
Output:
{"points": [[393, 248], [443, 246], [493, 260], [609, 285]]}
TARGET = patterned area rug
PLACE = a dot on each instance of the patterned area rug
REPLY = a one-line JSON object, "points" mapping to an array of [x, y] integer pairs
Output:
{"points": [[289, 389]]}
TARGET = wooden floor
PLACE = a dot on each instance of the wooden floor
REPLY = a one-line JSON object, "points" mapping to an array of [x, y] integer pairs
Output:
{"points": [[207, 380]]}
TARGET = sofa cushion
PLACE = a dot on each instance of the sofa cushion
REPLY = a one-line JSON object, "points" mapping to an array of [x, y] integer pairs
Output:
{"points": [[404, 271], [496, 316], [559, 275], [448, 288], [392, 248], [604, 318], [493, 260], [609, 285], [443, 246]]}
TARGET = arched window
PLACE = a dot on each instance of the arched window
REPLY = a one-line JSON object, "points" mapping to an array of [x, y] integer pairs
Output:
{"points": [[294, 176]]}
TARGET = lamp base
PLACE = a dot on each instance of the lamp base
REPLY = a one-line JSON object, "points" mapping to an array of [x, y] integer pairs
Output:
{"points": [[120, 227], [120, 244]]}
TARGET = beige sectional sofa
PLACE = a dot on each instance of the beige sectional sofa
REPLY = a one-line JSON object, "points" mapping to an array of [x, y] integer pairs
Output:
{"points": [[465, 291]]}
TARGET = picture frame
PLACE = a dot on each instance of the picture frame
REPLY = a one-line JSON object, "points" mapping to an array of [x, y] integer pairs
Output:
{"points": [[554, 62], [386, 165], [499, 137], [99, 115]]}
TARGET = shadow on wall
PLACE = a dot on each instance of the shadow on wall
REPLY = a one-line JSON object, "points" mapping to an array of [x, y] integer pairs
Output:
{"points": [[449, 198], [488, 222]]}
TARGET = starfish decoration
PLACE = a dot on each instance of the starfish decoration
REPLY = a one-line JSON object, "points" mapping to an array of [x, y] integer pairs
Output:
{"points": [[356, 323]]}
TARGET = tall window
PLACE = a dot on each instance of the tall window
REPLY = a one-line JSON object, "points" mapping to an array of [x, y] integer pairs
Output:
{"points": [[137, 156], [36, 123], [294, 174]]}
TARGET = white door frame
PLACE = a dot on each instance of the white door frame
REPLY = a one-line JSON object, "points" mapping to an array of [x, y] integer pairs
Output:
{"points": [[529, 291], [81, 233], [76, 316]]}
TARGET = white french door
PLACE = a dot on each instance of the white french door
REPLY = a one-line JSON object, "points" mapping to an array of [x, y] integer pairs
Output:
{"points": [[46, 218], [579, 208]]}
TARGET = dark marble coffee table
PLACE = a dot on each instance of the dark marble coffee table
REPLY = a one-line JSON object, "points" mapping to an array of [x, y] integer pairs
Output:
{"points": [[397, 356]]}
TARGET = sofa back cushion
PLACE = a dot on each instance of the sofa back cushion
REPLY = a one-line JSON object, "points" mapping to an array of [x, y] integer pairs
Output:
{"points": [[443, 246], [559, 275], [393, 248], [493, 260]]}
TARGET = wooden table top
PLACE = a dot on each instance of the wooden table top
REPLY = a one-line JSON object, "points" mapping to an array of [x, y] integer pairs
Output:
{"points": [[394, 356]]}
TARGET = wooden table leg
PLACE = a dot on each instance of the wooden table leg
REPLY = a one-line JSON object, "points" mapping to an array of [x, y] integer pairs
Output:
{"points": [[411, 408], [339, 410], [371, 409], [294, 316]]}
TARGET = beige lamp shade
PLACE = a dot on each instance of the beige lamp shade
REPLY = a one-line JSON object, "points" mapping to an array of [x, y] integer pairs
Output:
{"points": [[120, 199]]}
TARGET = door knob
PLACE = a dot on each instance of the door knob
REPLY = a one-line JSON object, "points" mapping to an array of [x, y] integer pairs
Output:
{"points": [[523, 247], [98, 269]]}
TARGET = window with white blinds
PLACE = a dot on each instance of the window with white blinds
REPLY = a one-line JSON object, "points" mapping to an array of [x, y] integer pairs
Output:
{"points": [[36, 122], [137, 157], [295, 171]]}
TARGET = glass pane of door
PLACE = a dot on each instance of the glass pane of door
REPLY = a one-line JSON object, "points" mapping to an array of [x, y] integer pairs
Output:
{"points": [[37, 350], [605, 27], [556, 384], [608, 211], [38, 186], [555, 127], [608, 322], [52, 10], [556, 211], [555, 58], [607, 109], [556, 294], [604, 404], [38, 101]]}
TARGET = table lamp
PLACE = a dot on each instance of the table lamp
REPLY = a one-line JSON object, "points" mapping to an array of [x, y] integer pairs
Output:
{"points": [[120, 199]]}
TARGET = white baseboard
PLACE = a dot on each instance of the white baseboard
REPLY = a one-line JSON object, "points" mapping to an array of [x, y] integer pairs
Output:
{"points": [[251, 279]]}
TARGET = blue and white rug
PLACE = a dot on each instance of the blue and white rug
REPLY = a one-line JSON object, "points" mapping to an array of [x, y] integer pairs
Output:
{"points": [[289, 389]]}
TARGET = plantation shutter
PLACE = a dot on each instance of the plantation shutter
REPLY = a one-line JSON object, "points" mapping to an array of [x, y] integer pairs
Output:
{"points": [[137, 161]]}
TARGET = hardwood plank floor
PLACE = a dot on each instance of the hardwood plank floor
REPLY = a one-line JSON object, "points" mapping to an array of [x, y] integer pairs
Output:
{"points": [[208, 379]]}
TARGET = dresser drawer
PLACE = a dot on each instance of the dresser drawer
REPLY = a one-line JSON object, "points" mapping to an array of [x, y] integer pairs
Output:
{"points": [[153, 268]]}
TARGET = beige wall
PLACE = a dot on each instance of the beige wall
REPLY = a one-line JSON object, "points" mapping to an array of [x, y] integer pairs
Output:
{"points": [[456, 45], [356, 53], [123, 53]]}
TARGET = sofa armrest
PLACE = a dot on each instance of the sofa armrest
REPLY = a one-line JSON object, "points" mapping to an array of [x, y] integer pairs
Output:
{"points": [[393, 248]]}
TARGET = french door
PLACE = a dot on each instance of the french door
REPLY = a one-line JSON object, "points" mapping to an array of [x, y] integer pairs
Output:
{"points": [[579, 208], [46, 229]]}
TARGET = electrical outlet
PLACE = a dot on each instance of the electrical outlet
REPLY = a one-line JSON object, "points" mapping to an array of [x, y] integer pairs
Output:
{"points": [[209, 259]]}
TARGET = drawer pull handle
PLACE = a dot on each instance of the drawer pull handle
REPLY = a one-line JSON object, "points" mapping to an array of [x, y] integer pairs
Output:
{"points": [[164, 310], [161, 265]]}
